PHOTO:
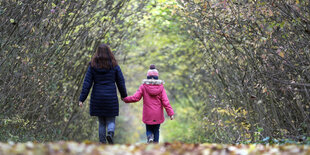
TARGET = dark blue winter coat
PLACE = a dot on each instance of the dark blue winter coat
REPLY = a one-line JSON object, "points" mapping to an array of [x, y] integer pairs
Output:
{"points": [[103, 100]]}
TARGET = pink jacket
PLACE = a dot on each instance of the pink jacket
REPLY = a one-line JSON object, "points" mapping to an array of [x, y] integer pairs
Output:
{"points": [[154, 99]]}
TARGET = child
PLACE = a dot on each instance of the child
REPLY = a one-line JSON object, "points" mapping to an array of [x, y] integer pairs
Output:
{"points": [[154, 99]]}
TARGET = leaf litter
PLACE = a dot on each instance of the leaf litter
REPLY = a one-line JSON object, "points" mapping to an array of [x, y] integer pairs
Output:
{"points": [[92, 148]]}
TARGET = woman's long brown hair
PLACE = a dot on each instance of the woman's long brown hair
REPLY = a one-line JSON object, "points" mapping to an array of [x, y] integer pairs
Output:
{"points": [[103, 58]]}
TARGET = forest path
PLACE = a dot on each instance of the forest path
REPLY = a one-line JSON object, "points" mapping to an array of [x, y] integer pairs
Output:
{"points": [[70, 147]]}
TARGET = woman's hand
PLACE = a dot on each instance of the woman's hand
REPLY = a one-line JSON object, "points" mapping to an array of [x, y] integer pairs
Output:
{"points": [[172, 117], [81, 104], [123, 100]]}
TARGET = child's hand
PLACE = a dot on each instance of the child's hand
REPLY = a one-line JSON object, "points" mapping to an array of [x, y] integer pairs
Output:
{"points": [[172, 117], [123, 99]]}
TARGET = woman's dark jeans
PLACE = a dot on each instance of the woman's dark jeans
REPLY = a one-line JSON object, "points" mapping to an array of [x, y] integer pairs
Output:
{"points": [[153, 129], [105, 122]]}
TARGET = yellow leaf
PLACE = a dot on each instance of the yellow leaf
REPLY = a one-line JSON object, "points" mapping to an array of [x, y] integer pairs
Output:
{"points": [[297, 1], [87, 142], [281, 54]]}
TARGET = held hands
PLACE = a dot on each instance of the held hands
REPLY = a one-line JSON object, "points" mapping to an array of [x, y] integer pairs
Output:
{"points": [[172, 117], [81, 104], [123, 100]]}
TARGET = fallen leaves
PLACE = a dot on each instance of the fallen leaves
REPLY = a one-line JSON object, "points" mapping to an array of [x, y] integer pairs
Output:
{"points": [[71, 147]]}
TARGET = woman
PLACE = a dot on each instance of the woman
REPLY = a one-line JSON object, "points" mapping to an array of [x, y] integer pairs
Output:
{"points": [[102, 73]]}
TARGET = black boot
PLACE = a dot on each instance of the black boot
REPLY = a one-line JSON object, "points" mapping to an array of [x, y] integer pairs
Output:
{"points": [[110, 137]]}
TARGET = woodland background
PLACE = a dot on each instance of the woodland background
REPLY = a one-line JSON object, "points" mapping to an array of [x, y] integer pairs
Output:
{"points": [[236, 71]]}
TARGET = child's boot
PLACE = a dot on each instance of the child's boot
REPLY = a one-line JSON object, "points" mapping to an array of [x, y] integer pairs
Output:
{"points": [[150, 138]]}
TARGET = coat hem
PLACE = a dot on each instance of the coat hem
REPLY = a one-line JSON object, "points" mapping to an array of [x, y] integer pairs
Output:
{"points": [[152, 123], [103, 115]]}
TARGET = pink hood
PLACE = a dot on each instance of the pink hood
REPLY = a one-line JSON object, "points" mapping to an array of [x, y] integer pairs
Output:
{"points": [[153, 90], [154, 100]]}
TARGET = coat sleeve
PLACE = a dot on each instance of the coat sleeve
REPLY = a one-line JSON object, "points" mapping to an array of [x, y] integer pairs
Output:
{"points": [[88, 82], [120, 82], [136, 97], [166, 104]]}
